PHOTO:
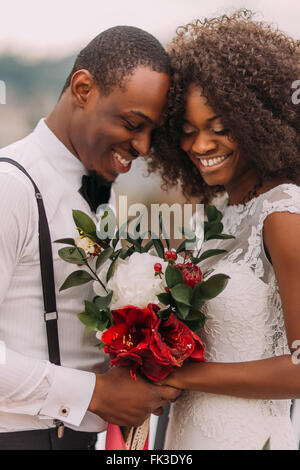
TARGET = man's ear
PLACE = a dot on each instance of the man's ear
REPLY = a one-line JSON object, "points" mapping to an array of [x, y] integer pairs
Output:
{"points": [[81, 87]]}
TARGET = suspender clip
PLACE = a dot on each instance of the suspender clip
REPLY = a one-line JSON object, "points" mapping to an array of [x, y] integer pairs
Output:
{"points": [[50, 316]]}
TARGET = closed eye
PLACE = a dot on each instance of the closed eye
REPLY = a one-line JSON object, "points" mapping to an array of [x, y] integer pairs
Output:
{"points": [[188, 130], [133, 127], [221, 132]]}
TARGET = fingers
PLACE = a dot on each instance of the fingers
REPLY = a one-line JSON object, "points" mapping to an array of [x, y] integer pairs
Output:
{"points": [[158, 411], [169, 394]]}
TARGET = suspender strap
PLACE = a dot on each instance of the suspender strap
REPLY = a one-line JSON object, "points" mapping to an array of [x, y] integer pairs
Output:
{"points": [[47, 272]]}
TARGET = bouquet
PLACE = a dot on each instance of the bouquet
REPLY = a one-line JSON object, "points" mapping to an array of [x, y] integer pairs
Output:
{"points": [[148, 298]]}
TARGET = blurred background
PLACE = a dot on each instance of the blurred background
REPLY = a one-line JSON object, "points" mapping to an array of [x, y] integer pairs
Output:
{"points": [[39, 42]]}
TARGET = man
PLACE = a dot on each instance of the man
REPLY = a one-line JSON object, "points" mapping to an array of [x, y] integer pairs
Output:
{"points": [[112, 101]]}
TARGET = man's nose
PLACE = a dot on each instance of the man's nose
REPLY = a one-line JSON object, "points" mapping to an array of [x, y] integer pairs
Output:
{"points": [[141, 143]]}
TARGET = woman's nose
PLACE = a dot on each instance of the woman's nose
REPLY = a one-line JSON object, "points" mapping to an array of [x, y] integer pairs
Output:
{"points": [[203, 144]]}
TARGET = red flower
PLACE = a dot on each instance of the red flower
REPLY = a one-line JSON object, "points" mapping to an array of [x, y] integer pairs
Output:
{"points": [[139, 339], [192, 274]]}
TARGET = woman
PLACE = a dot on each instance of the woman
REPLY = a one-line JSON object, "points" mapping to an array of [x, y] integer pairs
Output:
{"points": [[232, 129]]}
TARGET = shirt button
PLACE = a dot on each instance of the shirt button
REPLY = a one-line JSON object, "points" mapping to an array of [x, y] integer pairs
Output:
{"points": [[64, 411]]}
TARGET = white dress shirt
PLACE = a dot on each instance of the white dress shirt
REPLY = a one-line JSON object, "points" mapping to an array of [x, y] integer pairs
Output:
{"points": [[33, 391]]}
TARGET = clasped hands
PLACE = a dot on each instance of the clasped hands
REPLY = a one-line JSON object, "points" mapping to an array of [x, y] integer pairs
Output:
{"points": [[118, 399]]}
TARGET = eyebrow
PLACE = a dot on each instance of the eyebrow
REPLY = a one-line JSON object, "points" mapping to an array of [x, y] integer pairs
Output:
{"points": [[214, 117], [209, 120], [142, 115]]}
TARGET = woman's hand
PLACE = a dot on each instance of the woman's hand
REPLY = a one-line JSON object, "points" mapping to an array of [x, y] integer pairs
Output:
{"points": [[183, 376]]}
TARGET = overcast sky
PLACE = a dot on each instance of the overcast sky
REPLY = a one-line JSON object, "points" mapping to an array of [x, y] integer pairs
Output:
{"points": [[36, 28]]}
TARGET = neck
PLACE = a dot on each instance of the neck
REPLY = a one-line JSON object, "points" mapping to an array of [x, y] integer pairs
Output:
{"points": [[58, 122], [250, 186], [240, 188]]}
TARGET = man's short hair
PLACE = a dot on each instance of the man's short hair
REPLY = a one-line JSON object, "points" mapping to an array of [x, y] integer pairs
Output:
{"points": [[115, 53]]}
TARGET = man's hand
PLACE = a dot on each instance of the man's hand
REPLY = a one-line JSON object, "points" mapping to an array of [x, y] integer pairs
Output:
{"points": [[118, 399]]}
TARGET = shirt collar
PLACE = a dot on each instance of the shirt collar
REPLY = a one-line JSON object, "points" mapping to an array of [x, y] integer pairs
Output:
{"points": [[58, 155]]}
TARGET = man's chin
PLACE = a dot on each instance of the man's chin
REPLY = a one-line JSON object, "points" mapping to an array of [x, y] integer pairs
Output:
{"points": [[103, 175]]}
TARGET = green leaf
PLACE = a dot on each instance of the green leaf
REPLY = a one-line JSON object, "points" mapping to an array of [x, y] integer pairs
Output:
{"points": [[165, 298], [84, 222], [183, 310], [110, 269], [125, 253], [89, 321], [267, 444], [67, 241], [136, 243], [147, 247], [135, 234], [91, 308], [102, 324], [159, 247], [107, 226], [213, 215], [198, 300], [211, 229], [173, 276], [73, 255], [207, 273], [165, 312], [195, 325], [220, 236], [118, 233], [103, 302], [209, 289], [182, 293], [189, 234], [207, 254], [76, 278], [104, 256], [181, 247], [196, 314]]}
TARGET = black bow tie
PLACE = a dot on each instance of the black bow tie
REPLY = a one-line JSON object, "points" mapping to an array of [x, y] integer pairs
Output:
{"points": [[95, 190]]}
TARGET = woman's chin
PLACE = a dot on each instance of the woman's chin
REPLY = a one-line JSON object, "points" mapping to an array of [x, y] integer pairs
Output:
{"points": [[214, 180]]}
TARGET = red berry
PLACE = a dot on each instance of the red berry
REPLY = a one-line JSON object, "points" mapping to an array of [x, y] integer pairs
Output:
{"points": [[168, 254], [157, 267], [174, 255]]}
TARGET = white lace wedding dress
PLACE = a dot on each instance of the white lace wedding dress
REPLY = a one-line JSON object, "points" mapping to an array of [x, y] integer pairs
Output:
{"points": [[245, 323]]}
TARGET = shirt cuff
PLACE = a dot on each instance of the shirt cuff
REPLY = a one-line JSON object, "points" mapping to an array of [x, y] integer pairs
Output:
{"points": [[69, 395]]}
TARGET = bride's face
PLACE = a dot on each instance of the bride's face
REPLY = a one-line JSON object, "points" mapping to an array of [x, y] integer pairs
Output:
{"points": [[207, 143]]}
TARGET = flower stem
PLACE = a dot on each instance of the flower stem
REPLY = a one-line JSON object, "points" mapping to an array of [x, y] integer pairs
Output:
{"points": [[97, 278]]}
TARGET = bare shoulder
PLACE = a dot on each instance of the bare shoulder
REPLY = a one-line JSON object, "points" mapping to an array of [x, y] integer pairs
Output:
{"points": [[281, 237]]}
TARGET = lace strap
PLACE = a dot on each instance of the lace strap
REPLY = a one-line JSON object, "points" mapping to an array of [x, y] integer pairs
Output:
{"points": [[284, 198]]}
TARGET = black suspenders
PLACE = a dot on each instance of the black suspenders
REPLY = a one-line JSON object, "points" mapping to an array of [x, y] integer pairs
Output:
{"points": [[47, 273]]}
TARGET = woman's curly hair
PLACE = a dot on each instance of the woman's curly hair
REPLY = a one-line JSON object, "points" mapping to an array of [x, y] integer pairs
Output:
{"points": [[246, 70]]}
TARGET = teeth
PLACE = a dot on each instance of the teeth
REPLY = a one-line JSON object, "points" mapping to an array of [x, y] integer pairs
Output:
{"points": [[213, 161], [122, 160]]}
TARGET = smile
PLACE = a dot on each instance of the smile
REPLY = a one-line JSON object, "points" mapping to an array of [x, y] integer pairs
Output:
{"points": [[121, 159], [123, 165], [214, 162]]}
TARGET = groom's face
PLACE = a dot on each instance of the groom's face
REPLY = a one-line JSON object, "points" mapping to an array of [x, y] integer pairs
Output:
{"points": [[109, 132]]}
